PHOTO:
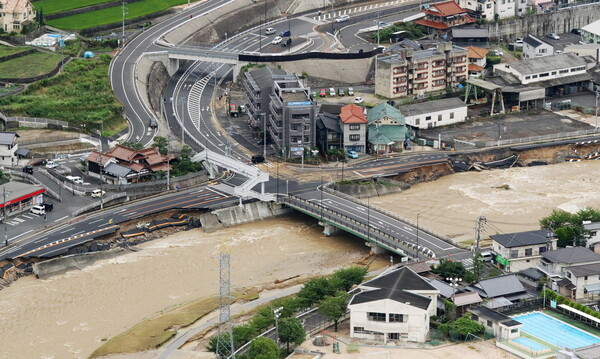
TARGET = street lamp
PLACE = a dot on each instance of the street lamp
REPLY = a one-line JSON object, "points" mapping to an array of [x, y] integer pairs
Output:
{"points": [[277, 314]]}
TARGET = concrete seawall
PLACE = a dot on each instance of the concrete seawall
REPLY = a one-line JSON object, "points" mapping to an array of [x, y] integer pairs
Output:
{"points": [[61, 265], [249, 212]]}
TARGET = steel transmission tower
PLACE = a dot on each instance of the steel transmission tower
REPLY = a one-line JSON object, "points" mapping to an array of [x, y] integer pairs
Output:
{"points": [[225, 347]]}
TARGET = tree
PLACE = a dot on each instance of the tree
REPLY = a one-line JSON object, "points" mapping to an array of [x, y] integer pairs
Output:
{"points": [[3, 177], [263, 348], [568, 227], [350, 276], [225, 351], [133, 145], [291, 331], [462, 327], [162, 144], [314, 290], [448, 268], [183, 163], [477, 266], [333, 307]]}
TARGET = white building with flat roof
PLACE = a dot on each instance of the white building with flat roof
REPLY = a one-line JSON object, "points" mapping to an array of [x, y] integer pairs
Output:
{"points": [[435, 113]]}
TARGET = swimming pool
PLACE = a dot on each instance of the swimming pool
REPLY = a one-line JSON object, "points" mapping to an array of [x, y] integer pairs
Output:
{"points": [[555, 332], [530, 346]]}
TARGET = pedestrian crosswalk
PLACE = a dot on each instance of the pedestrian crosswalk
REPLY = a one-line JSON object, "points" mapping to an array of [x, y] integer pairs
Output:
{"points": [[468, 263], [15, 221], [334, 14]]}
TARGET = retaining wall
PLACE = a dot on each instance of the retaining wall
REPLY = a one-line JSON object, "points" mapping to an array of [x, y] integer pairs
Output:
{"points": [[249, 212], [379, 187], [156, 84], [61, 265], [561, 21]]}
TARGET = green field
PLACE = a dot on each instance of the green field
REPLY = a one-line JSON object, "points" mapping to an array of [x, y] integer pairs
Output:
{"points": [[80, 95], [112, 14], [30, 65], [9, 50], [54, 6]]}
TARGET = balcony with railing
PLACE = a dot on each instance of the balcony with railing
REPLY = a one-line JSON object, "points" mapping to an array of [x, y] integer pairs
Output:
{"points": [[276, 125], [275, 137]]}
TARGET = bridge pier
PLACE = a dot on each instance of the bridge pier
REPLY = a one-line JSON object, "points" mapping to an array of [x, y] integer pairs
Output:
{"points": [[328, 229], [376, 249]]}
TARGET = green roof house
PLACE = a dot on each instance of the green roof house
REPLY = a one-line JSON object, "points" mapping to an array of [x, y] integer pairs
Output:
{"points": [[387, 129]]}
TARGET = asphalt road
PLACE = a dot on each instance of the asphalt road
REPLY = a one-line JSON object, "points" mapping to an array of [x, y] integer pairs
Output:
{"points": [[73, 232]]}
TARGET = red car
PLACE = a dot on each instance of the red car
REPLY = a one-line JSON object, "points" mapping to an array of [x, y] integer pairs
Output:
{"points": [[323, 93]]}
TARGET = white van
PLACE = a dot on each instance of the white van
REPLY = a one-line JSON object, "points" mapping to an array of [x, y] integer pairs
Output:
{"points": [[38, 209], [487, 256], [75, 179], [51, 164]]}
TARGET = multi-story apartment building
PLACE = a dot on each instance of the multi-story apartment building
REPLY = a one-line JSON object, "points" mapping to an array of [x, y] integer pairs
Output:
{"points": [[410, 72], [291, 116], [14, 14], [258, 85]]}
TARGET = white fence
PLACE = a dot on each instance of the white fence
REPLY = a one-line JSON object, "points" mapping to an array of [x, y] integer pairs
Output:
{"points": [[552, 136]]}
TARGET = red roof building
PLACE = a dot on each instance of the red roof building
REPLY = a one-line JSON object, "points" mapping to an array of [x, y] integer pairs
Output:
{"points": [[354, 127], [444, 15], [353, 114], [128, 164]]}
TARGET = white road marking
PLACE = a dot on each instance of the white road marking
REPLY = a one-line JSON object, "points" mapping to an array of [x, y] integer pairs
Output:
{"points": [[60, 219]]}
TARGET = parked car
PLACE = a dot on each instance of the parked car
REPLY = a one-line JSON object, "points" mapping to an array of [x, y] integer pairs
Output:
{"points": [[496, 53], [358, 100], [277, 40], [51, 164], [341, 92], [74, 179], [342, 18], [322, 93], [48, 206], [352, 154], [258, 159], [153, 123], [553, 36], [28, 169], [286, 33], [576, 31], [331, 92], [519, 42], [97, 193], [270, 31], [350, 91], [38, 210]]}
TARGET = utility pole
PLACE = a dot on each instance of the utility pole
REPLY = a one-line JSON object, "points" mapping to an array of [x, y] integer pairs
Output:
{"points": [[479, 228], [168, 163], [124, 10], [418, 236], [597, 95], [4, 219], [100, 167], [264, 134], [181, 119]]}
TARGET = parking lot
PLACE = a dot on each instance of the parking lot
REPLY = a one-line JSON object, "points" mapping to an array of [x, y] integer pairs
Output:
{"points": [[565, 40], [510, 126]]}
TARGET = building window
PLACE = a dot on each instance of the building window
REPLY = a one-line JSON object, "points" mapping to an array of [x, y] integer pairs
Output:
{"points": [[542, 249], [563, 71], [528, 252], [396, 318], [439, 118], [553, 73], [354, 137], [474, 317], [489, 323], [514, 253], [452, 115], [417, 121], [569, 275], [578, 69], [355, 127], [527, 77], [585, 278], [428, 118], [545, 74], [514, 330], [393, 336], [376, 317]]}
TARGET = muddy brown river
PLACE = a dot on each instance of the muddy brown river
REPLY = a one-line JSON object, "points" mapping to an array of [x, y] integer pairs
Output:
{"points": [[67, 316]]}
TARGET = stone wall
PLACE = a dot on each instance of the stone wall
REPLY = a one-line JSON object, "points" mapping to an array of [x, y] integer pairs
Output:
{"points": [[377, 187], [156, 84], [61, 265], [558, 22]]}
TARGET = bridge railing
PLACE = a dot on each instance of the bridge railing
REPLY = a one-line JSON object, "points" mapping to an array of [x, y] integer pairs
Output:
{"points": [[357, 227], [327, 188]]}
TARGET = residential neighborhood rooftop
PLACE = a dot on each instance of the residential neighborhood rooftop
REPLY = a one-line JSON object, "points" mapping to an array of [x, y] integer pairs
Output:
{"points": [[8, 138], [540, 64], [502, 286], [431, 106], [571, 255], [520, 239], [585, 270]]}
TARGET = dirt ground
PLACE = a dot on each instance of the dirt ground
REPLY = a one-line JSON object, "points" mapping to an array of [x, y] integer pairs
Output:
{"points": [[29, 135]]}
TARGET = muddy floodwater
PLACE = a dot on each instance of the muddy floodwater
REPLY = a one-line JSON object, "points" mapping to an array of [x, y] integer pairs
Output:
{"points": [[512, 200], [67, 316]]}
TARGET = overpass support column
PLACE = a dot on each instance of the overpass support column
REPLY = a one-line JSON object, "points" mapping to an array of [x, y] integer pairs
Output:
{"points": [[375, 248], [173, 66]]}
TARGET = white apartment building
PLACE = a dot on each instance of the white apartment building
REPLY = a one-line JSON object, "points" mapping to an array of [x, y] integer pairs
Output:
{"points": [[8, 146], [562, 66], [14, 14], [434, 113]]}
